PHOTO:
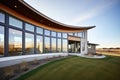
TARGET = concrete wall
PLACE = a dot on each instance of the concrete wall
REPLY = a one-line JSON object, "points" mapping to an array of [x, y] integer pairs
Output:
{"points": [[84, 43], [8, 61]]}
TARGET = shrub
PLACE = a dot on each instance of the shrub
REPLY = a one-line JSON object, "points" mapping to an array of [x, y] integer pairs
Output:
{"points": [[24, 66], [8, 72], [35, 61], [47, 58]]}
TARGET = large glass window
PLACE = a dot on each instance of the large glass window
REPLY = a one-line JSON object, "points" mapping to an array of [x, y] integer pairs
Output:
{"points": [[29, 27], [39, 30], [15, 22], [64, 35], [2, 17], [47, 45], [59, 45], [59, 34], [39, 44], [15, 42], [54, 34], [1, 40], [53, 44], [64, 45], [29, 43], [47, 32]]}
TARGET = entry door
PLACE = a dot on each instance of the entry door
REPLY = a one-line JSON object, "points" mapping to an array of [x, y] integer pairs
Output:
{"points": [[74, 46]]}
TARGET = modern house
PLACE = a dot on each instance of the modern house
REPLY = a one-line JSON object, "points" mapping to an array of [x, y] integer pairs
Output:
{"points": [[26, 34]]}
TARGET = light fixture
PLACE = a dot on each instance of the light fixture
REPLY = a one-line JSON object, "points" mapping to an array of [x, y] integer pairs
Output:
{"points": [[15, 6]]}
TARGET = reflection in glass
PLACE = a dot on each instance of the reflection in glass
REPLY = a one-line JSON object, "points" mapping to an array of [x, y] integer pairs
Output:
{"points": [[15, 42], [47, 45], [64, 35], [1, 41], [29, 27], [74, 46], [53, 44], [64, 45], [59, 34], [54, 34], [80, 34], [39, 30], [47, 32], [29, 43], [39, 44], [75, 34], [70, 34], [15, 22], [83, 34], [59, 45], [2, 17]]}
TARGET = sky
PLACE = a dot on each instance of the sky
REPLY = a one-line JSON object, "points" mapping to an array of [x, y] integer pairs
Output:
{"points": [[104, 14]]}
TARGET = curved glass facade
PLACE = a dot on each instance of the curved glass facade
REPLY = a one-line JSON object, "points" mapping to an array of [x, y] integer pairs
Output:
{"points": [[22, 38]]}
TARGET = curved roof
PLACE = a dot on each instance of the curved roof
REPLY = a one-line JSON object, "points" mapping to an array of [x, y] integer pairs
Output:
{"points": [[22, 8]]}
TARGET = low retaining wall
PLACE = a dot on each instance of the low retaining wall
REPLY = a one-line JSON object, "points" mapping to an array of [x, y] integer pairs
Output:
{"points": [[8, 61], [88, 56]]}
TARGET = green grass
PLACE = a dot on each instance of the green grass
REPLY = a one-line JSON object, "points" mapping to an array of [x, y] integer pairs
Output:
{"points": [[77, 68]]}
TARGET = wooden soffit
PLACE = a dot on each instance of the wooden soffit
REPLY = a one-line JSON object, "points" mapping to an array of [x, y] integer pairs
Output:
{"points": [[72, 38], [23, 11]]}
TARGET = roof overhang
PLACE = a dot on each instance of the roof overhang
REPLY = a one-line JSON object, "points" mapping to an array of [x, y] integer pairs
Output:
{"points": [[93, 44], [24, 11]]}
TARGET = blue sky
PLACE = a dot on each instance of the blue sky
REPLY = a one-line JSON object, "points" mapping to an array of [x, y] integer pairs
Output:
{"points": [[104, 14]]}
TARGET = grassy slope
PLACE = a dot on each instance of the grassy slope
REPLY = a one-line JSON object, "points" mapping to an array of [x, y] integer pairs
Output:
{"points": [[77, 68]]}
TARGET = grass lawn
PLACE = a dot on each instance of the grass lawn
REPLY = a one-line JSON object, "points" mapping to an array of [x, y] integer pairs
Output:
{"points": [[77, 68]]}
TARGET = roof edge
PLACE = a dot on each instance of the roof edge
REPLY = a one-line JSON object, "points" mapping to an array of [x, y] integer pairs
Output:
{"points": [[52, 20]]}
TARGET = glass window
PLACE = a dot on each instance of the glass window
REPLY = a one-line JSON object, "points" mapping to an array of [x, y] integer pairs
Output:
{"points": [[39, 44], [59, 45], [39, 30], [64, 35], [83, 34], [70, 34], [59, 34], [80, 34], [29, 27], [64, 45], [29, 43], [47, 45], [75, 34], [54, 34], [53, 44], [47, 32], [15, 42], [2, 17], [1, 41], [15, 22]]}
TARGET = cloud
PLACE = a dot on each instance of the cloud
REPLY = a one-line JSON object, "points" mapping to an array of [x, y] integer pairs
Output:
{"points": [[100, 7]]}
